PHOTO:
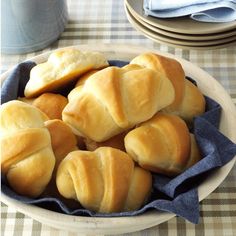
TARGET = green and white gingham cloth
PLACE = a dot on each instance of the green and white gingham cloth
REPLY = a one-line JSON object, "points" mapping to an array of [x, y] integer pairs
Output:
{"points": [[104, 21]]}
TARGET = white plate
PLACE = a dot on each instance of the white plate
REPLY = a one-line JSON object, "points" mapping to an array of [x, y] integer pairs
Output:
{"points": [[183, 25], [178, 42], [118, 225], [198, 37]]}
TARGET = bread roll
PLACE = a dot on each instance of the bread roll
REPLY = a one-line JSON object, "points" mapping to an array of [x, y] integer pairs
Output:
{"points": [[105, 180], [51, 104], [27, 158], [171, 68], [62, 139], [62, 67], [189, 101], [161, 145], [192, 105], [114, 100]]}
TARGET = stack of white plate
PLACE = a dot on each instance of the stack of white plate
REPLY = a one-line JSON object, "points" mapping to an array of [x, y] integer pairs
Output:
{"points": [[180, 32]]}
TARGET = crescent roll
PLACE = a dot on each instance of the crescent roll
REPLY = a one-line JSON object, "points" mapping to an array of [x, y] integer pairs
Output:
{"points": [[161, 144], [192, 105], [51, 104], [189, 101], [27, 158], [171, 68], [115, 99], [105, 180], [62, 67]]}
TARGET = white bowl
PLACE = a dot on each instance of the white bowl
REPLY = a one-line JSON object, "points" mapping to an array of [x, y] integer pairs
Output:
{"points": [[117, 225]]}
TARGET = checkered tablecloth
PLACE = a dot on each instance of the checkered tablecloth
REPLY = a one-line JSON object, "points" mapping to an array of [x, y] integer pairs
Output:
{"points": [[104, 21]]}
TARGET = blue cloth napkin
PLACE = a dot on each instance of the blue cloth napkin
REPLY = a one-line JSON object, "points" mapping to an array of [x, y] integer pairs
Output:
{"points": [[200, 10], [178, 195]]}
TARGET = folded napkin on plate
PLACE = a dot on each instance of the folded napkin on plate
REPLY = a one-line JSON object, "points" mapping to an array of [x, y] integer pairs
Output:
{"points": [[178, 195], [200, 10]]}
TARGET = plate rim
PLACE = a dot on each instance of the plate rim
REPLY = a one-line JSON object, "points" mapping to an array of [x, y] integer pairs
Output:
{"points": [[199, 37], [201, 30], [123, 224], [175, 42]]}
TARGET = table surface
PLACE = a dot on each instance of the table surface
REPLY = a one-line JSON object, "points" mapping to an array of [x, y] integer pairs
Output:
{"points": [[105, 22]]}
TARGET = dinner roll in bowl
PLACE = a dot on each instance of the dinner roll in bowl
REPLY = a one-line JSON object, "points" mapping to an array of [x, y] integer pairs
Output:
{"points": [[62, 67], [115, 99]]}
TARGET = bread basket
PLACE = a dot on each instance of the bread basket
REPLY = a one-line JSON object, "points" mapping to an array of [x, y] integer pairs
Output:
{"points": [[117, 225]]}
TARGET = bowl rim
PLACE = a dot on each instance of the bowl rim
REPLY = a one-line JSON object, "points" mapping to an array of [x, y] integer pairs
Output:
{"points": [[151, 218]]}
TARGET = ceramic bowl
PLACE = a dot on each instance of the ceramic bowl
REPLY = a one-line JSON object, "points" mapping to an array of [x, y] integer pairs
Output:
{"points": [[117, 225]]}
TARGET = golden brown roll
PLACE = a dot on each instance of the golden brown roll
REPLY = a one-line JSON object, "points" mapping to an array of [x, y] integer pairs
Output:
{"points": [[62, 139], [189, 101], [171, 68], [114, 142], [114, 100], [51, 104], [27, 158], [105, 180], [161, 144], [192, 105], [62, 67]]}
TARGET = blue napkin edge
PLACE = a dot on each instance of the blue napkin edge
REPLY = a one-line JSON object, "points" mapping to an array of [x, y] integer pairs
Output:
{"points": [[212, 12]]}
